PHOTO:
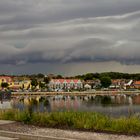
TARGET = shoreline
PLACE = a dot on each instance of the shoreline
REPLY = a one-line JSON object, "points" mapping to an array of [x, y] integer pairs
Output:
{"points": [[76, 93]]}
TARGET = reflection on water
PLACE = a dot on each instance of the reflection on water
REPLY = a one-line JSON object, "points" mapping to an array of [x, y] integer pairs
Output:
{"points": [[114, 105], [5, 105]]}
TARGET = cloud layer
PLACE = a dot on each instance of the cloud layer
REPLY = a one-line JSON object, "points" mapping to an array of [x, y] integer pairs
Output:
{"points": [[69, 31]]}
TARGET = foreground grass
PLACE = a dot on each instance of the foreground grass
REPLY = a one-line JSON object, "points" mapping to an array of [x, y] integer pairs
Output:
{"points": [[76, 120]]}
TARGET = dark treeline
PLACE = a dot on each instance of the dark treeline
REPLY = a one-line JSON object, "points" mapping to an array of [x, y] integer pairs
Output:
{"points": [[89, 76], [112, 75]]}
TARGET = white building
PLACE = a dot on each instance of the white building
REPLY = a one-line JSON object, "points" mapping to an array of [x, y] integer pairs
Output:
{"points": [[65, 84]]}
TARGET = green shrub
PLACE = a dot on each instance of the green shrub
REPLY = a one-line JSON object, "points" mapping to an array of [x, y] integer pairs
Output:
{"points": [[76, 120], [24, 117], [7, 115]]}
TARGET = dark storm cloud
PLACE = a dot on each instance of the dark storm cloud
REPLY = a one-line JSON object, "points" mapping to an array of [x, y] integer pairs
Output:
{"points": [[67, 31], [44, 11]]}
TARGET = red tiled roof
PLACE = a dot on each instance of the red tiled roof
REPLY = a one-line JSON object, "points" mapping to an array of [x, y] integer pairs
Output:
{"points": [[75, 80], [15, 87], [61, 80], [68, 80], [116, 81], [137, 82], [7, 78], [65, 80]]}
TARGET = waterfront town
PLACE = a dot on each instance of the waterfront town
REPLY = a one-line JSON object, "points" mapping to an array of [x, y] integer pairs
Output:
{"points": [[57, 83], [39, 103], [69, 69]]}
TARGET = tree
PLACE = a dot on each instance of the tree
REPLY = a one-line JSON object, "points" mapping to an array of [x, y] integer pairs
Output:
{"points": [[41, 85], [4, 85], [88, 76], [59, 77], [40, 75], [47, 80], [105, 81], [34, 83]]}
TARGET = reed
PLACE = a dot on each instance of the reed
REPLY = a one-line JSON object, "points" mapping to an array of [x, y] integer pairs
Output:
{"points": [[76, 120]]}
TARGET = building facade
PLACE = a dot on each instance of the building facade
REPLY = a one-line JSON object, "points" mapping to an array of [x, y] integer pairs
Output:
{"points": [[65, 84], [24, 85], [6, 79], [136, 84], [15, 84]]}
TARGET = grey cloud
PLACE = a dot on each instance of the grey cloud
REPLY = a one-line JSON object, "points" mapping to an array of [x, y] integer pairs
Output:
{"points": [[44, 11], [66, 31], [91, 39], [95, 50]]}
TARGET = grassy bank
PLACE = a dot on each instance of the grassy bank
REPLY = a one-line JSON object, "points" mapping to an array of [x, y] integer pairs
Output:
{"points": [[76, 120]]}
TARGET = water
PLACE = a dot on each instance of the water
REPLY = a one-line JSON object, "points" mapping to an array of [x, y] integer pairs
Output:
{"points": [[115, 105]]}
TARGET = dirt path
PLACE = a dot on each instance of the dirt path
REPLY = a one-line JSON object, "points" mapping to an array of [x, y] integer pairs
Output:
{"points": [[76, 135]]}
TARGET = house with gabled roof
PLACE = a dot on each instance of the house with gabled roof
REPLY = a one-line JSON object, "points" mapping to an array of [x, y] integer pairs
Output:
{"points": [[6, 79], [65, 84], [136, 84]]}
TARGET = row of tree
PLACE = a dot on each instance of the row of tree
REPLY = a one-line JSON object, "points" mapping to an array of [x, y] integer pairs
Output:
{"points": [[42, 84], [112, 75], [90, 76]]}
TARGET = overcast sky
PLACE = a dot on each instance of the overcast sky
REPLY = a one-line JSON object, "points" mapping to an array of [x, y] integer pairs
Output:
{"points": [[69, 36]]}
